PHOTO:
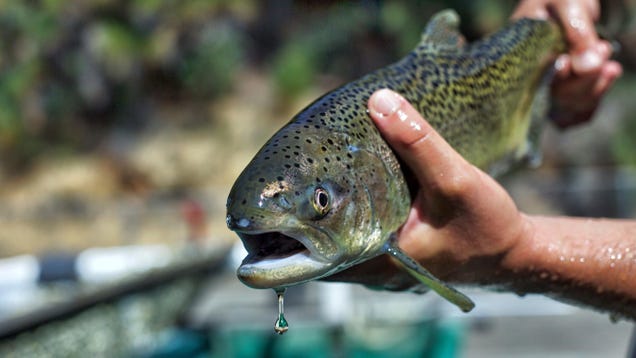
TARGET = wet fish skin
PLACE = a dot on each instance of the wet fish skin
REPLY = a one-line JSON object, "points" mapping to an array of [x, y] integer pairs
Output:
{"points": [[481, 97]]}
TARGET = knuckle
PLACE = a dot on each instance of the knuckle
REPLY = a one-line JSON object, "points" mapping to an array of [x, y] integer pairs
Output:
{"points": [[458, 185]]}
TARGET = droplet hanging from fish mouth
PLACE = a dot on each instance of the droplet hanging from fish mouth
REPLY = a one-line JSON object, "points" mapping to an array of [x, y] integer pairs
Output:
{"points": [[281, 326]]}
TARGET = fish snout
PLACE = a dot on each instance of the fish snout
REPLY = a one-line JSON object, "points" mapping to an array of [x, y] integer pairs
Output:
{"points": [[234, 223]]}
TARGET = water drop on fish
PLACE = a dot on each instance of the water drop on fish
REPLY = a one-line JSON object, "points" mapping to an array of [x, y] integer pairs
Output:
{"points": [[281, 326]]}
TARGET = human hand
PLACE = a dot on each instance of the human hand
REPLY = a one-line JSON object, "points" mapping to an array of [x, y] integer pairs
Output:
{"points": [[586, 72], [461, 223]]}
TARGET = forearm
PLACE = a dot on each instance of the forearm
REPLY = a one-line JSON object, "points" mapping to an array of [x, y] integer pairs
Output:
{"points": [[580, 260]]}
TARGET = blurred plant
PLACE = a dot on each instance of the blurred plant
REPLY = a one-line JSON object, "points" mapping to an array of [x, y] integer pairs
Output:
{"points": [[73, 71], [367, 35], [209, 67], [338, 31], [70, 71], [625, 145]]}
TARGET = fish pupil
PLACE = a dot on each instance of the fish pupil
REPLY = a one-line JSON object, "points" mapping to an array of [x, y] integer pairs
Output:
{"points": [[323, 200]]}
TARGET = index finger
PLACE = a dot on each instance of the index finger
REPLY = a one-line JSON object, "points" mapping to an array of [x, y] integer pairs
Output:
{"points": [[577, 19]]}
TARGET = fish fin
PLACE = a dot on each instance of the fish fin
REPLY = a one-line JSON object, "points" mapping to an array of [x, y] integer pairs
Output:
{"points": [[528, 153], [539, 115], [421, 274], [442, 32]]}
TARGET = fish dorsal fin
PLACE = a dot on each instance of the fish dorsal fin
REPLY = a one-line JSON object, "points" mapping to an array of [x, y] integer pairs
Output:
{"points": [[442, 33]]}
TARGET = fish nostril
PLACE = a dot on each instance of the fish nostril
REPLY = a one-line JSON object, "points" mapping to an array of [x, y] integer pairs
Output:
{"points": [[233, 224], [284, 203], [243, 223]]}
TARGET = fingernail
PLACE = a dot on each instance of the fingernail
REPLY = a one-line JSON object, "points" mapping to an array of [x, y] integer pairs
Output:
{"points": [[385, 102], [586, 61], [561, 63], [604, 49]]}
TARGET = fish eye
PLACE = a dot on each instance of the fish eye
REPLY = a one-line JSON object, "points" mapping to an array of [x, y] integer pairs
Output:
{"points": [[321, 201]]}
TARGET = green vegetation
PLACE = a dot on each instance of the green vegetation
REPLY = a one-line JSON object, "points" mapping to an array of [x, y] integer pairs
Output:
{"points": [[72, 72]]}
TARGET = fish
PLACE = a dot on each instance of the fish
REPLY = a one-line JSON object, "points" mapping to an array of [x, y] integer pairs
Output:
{"points": [[326, 192]]}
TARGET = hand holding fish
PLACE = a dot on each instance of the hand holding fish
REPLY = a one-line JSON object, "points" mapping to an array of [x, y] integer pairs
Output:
{"points": [[478, 236], [327, 198], [451, 222], [586, 72], [460, 219]]}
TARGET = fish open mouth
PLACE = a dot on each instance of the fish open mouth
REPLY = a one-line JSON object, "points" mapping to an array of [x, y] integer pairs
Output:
{"points": [[277, 259], [271, 246]]}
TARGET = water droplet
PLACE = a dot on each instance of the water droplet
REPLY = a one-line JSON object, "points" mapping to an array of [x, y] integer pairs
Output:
{"points": [[281, 326]]}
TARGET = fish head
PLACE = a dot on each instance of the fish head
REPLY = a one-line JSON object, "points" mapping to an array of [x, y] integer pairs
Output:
{"points": [[300, 210]]}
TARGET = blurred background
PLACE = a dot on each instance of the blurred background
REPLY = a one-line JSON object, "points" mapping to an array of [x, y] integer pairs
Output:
{"points": [[123, 125]]}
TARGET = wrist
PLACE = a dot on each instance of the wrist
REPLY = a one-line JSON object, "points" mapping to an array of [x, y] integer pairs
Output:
{"points": [[498, 268], [523, 251]]}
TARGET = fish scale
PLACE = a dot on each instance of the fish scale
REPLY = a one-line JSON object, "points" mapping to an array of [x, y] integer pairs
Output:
{"points": [[328, 180]]}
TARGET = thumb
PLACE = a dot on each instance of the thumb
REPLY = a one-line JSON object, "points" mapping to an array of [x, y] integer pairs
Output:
{"points": [[577, 20], [433, 161]]}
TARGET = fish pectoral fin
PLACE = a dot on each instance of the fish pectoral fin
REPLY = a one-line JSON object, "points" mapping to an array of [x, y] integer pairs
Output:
{"points": [[442, 31], [421, 274]]}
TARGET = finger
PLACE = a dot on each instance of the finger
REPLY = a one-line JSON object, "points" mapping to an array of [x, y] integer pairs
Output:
{"points": [[531, 9], [581, 92], [609, 73], [434, 162], [577, 20], [579, 97], [563, 67]]}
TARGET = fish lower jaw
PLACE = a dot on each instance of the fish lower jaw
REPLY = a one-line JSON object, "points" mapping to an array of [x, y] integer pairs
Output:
{"points": [[274, 272]]}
